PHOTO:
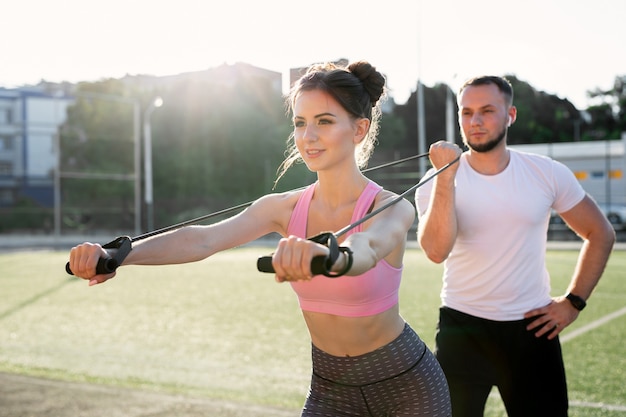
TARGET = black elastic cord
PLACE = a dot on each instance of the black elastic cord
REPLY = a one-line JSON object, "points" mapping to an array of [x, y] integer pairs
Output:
{"points": [[321, 265], [398, 198], [329, 239], [244, 205]]}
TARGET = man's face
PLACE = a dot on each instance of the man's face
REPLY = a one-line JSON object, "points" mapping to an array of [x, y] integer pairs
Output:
{"points": [[483, 117]]}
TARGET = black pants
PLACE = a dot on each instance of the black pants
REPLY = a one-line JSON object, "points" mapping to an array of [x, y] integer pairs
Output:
{"points": [[402, 378], [477, 354]]}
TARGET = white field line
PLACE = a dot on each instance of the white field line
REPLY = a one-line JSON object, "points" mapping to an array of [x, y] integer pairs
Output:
{"points": [[609, 407], [583, 330], [578, 404], [593, 325]]}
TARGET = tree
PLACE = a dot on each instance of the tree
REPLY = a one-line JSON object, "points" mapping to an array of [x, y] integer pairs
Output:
{"points": [[219, 143], [435, 111], [542, 117], [608, 117], [96, 146], [216, 145]]}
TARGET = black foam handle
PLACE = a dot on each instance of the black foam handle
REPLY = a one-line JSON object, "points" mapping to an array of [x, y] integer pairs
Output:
{"points": [[318, 264], [118, 249], [104, 266]]}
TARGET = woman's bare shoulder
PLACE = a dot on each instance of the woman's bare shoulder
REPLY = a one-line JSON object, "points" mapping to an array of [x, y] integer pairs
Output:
{"points": [[276, 207], [287, 198]]}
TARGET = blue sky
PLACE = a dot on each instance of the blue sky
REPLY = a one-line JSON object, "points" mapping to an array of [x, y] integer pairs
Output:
{"points": [[563, 47]]}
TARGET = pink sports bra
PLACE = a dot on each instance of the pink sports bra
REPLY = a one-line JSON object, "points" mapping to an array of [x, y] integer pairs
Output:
{"points": [[352, 296]]}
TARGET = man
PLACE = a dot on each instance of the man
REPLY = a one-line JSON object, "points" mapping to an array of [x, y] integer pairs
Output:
{"points": [[487, 218]]}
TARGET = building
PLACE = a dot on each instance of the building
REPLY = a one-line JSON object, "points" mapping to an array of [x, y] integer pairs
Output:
{"points": [[29, 121], [31, 116], [600, 166]]}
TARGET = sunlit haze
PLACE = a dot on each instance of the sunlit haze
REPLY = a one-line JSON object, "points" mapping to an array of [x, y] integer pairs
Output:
{"points": [[563, 47]]}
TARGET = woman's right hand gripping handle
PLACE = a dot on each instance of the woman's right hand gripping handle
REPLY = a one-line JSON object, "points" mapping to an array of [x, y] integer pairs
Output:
{"points": [[91, 262], [97, 263]]}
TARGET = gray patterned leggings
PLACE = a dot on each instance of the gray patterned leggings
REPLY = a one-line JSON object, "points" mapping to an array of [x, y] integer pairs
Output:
{"points": [[402, 378]]}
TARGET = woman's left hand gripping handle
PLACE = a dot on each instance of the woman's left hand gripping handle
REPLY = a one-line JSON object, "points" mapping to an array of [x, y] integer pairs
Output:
{"points": [[116, 250]]}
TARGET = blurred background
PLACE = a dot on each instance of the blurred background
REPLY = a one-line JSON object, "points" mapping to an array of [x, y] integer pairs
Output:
{"points": [[125, 117]]}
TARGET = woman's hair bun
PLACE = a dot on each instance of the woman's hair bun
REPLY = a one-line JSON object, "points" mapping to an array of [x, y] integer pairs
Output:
{"points": [[373, 81]]}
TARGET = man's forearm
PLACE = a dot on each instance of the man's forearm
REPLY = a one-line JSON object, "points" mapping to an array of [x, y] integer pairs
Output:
{"points": [[592, 261], [437, 229]]}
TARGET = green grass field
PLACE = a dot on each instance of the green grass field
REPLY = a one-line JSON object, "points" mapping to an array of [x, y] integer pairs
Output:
{"points": [[220, 329]]}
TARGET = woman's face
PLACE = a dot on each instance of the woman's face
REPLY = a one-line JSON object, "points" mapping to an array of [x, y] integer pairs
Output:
{"points": [[324, 132]]}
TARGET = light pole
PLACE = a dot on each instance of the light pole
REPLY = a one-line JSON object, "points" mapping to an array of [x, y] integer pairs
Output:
{"points": [[147, 149], [450, 113], [419, 97]]}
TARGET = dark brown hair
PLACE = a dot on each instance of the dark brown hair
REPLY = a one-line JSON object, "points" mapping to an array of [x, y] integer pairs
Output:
{"points": [[358, 88], [502, 83]]}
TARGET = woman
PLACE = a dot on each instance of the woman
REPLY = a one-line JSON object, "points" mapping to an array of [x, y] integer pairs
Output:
{"points": [[367, 361]]}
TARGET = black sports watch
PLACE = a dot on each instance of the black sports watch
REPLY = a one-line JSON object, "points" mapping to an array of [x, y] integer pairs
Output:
{"points": [[576, 301]]}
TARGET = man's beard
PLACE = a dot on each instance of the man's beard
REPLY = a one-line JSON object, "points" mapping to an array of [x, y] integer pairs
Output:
{"points": [[487, 146]]}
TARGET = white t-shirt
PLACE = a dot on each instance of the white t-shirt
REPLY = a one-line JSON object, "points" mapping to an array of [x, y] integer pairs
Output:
{"points": [[496, 269]]}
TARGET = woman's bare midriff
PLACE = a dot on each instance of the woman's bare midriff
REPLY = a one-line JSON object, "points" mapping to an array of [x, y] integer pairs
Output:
{"points": [[353, 336]]}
